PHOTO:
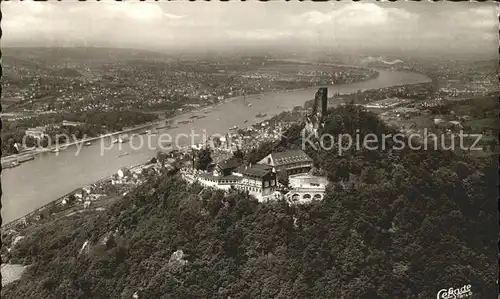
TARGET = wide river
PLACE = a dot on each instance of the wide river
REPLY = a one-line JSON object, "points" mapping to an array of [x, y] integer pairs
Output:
{"points": [[50, 176]]}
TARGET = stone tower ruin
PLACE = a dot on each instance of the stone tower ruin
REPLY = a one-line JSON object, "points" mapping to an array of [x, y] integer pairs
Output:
{"points": [[317, 117]]}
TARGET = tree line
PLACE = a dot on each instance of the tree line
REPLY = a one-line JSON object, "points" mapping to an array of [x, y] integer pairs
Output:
{"points": [[393, 224]]}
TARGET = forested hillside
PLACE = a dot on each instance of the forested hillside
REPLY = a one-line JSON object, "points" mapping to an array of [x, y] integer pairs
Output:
{"points": [[394, 224]]}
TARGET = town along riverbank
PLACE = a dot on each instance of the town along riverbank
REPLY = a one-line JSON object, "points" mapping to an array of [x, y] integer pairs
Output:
{"points": [[50, 176]]}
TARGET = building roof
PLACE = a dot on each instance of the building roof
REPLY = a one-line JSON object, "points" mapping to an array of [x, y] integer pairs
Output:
{"points": [[124, 169], [262, 166], [219, 178], [230, 177], [254, 171], [230, 163], [291, 156]]}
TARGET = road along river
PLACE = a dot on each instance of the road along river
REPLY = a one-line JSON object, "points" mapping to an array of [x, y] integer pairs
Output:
{"points": [[49, 176]]}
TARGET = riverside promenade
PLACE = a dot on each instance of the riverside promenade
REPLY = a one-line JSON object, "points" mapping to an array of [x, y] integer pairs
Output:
{"points": [[29, 218], [34, 151], [71, 170]]}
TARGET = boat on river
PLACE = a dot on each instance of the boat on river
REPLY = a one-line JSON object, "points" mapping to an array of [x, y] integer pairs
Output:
{"points": [[25, 159], [88, 143], [12, 165], [261, 115], [123, 154], [71, 176]]}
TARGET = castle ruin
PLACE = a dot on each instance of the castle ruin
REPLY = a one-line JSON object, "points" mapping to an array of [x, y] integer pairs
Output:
{"points": [[316, 119]]}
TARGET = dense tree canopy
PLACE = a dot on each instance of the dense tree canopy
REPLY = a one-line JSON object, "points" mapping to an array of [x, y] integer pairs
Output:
{"points": [[204, 159]]}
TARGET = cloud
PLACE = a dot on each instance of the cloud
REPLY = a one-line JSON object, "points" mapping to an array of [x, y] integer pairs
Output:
{"points": [[100, 24], [480, 18], [140, 11], [354, 15], [172, 16], [260, 34], [293, 25], [35, 8]]}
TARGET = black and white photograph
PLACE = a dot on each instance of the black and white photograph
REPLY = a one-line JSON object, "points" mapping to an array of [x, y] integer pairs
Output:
{"points": [[249, 149]]}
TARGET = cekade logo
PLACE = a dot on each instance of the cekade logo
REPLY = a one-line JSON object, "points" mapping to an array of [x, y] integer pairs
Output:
{"points": [[452, 293]]}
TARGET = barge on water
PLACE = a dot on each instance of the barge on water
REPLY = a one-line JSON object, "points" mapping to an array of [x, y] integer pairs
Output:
{"points": [[185, 122], [25, 159], [11, 165]]}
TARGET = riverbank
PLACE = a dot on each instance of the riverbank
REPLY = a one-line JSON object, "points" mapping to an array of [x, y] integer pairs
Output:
{"points": [[50, 176], [306, 88], [35, 151], [29, 218], [7, 161], [40, 209], [60, 199]]}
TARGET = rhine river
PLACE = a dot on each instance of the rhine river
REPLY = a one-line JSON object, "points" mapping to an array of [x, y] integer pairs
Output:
{"points": [[50, 176]]}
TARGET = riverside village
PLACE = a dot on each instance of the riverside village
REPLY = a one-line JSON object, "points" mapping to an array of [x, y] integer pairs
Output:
{"points": [[261, 179], [287, 175]]}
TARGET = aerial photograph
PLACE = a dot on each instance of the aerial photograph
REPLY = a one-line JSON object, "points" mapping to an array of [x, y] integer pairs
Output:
{"points": [[254, 149]]}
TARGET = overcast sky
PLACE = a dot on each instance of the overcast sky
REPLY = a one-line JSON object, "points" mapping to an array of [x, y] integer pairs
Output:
{"points": [[442, 26]]}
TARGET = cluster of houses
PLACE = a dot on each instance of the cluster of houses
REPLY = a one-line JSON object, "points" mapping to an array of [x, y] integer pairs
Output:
{"points": [[260, 180], [40, 132], [37, 132]]}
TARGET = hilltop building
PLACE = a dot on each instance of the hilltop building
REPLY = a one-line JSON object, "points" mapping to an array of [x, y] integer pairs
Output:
{"points": [[258, 180], [226, 167], [305, 188], [293, 161]]}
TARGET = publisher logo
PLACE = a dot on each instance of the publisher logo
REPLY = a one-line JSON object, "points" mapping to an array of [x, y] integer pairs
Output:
{"points": [[457, 293]]}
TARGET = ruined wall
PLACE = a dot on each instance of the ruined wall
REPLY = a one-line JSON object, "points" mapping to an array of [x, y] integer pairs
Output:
{"points": [[316, 119]]}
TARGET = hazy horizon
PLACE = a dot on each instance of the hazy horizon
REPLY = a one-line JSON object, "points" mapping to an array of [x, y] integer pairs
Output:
{"points": [[441, 28]]}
